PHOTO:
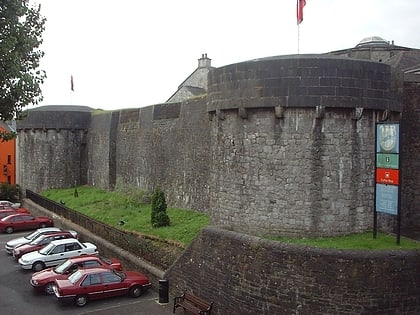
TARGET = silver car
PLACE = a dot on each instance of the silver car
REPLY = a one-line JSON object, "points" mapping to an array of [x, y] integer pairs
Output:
{"points": [[10, 245]]}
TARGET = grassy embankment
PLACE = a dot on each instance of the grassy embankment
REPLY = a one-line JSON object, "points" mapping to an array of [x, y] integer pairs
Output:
{"points": [[116, 206]]}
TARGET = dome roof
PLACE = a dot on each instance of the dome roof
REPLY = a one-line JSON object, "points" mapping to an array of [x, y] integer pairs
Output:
{"points": [[372, 41]]}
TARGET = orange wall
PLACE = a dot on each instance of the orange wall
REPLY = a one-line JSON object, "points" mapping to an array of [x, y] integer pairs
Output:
{"points": [[8, 161]]}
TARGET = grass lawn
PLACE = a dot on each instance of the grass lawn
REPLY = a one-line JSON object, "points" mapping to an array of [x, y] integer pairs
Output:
{"points": [[363, 241], [113, 207]]}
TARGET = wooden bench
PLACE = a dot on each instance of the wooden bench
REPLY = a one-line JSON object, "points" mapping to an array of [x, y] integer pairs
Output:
{"points": [[193, 304]]}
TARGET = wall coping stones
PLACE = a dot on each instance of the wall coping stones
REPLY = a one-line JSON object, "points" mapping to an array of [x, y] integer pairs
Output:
{"points": [[302, 81]]}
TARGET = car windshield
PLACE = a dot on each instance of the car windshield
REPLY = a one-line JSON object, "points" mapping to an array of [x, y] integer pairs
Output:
{"points": [[63, 267], [75, 276], [46, 249], [32, 236], [37, 241]]}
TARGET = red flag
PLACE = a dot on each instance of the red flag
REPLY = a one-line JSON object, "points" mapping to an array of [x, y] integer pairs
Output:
{"points": [[71, 83], [299, 10]]}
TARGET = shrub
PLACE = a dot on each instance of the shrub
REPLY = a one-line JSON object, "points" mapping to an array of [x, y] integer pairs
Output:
{"points": [[159, 215], [10, 192]]}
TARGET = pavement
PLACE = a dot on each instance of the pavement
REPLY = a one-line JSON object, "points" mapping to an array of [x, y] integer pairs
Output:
{"points": [[148, 304]]}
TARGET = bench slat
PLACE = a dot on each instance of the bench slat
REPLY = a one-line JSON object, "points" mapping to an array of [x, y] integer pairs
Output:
{"points": [[192, 303]]}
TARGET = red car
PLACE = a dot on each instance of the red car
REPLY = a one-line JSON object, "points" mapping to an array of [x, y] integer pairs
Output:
{"points": [[16, 210], [99, 283], [44, 280], [41, 241], [23, 221], [6, 212]]}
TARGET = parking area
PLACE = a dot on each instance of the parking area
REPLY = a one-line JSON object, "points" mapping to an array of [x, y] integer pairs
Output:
{"points": [[18, 296]]}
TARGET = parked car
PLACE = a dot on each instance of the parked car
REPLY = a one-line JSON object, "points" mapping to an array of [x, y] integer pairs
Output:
{"points": [[23, 221], [55, 253], [19, 209], [9, 203], [10, 245], [6, 212], [99, 283], [44, 279], [41, 241]]}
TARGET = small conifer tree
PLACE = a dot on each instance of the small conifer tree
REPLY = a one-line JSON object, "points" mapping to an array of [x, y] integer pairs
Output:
{"points": [[159, 215]]}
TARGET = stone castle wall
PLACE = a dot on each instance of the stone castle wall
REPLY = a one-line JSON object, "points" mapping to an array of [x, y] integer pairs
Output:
{"points": [[163, 146], [52, 148], [278, 146], [410, 173], [244, 274]]}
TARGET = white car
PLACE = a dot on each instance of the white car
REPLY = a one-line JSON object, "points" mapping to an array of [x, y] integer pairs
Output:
{"points": [[9, 204], [55, 253], [10, 245]]}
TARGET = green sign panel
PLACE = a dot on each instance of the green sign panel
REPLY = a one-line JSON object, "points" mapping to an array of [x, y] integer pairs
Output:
{"points": [[384, 160]]}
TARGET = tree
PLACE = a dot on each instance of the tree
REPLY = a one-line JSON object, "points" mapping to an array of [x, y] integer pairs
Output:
{"points": [[159, 216], [21, 27], [10, 192]]}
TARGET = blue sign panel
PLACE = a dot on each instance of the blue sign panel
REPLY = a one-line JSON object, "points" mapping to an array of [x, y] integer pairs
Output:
{"points": [[387, 198]]}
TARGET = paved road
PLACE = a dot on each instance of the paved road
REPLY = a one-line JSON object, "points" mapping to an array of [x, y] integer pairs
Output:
{"points": [[18, 298]]}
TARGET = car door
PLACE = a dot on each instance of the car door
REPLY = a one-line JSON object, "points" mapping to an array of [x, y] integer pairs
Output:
{"points": [[55, 256], [112, 284], [92, 286], [73, 249], [29, 222], [18, 223]]}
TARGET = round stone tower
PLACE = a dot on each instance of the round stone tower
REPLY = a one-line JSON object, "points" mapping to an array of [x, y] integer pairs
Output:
{"points": [[52, 147], [293, 143]]}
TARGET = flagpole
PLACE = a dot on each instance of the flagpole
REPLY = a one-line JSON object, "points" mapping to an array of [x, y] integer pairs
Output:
{"points": [[298, 35], [299, 16]]}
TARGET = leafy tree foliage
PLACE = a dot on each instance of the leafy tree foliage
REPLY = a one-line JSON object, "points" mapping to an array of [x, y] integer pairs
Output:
{"points": [[159, 215], [21, 27]]}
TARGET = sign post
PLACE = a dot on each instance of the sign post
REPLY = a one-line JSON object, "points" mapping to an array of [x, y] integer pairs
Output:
{"points": [[387, 173]]}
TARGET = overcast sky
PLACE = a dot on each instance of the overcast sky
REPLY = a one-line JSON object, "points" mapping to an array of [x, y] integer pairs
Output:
{"points": [[132, 53]]}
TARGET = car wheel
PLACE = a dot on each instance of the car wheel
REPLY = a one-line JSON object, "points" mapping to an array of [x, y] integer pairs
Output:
{"points": [[42, 225], [80, 300], [136, 291], [38, 266], [9, 230], [49, 288]]}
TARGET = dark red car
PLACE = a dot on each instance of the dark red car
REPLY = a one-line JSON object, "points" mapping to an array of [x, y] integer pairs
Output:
{"points": [[99, 283], [23, 221], [41, 241], [44, 280], [5, 211]]}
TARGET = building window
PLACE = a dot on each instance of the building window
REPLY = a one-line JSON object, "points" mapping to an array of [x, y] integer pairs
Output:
{"points": [[9, 159]]}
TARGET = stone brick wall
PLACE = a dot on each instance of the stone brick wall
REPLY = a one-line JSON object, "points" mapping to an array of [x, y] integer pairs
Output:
{"points": [[247, 275], [295, 176], [293, 144], [41, 156], [410, 162], [101, 144], [166, 146], [51, 147]]}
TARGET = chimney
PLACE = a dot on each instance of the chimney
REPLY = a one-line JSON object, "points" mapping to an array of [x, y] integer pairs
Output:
{"points": [[204, 62]]}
